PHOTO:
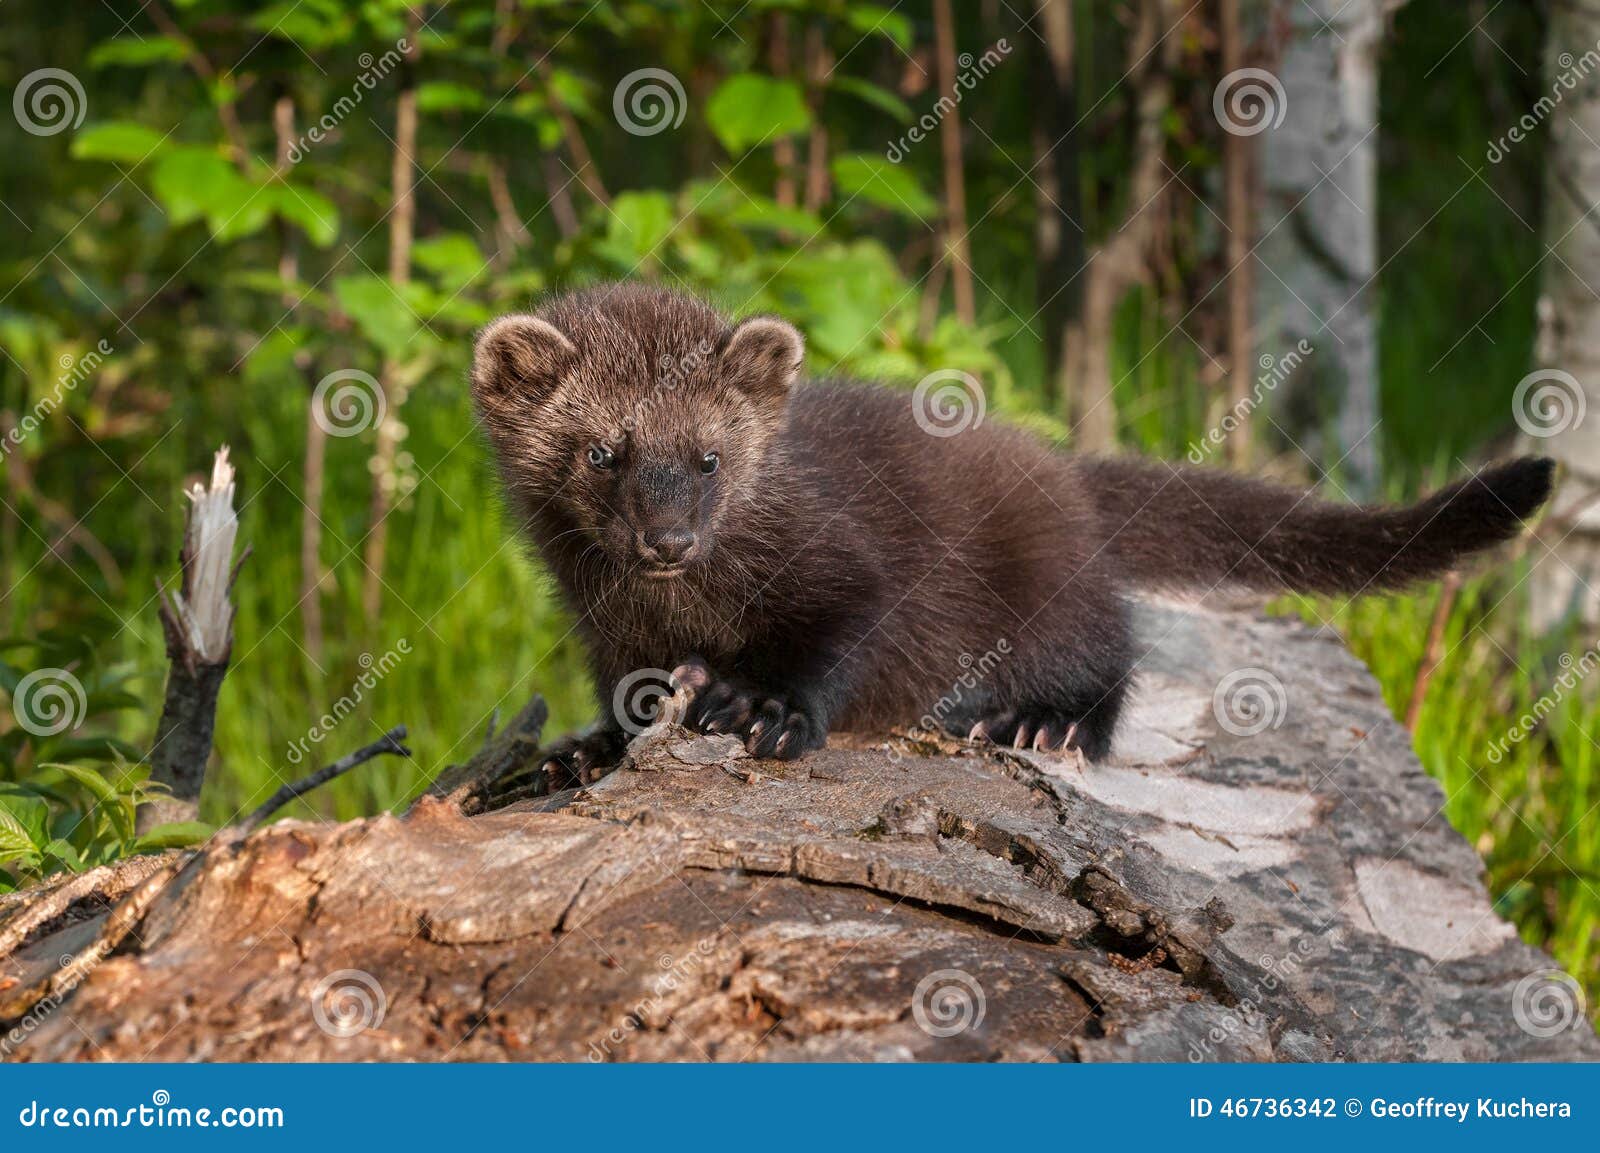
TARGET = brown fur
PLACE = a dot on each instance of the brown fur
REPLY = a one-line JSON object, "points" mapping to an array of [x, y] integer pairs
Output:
{"points": [[848, 568]]}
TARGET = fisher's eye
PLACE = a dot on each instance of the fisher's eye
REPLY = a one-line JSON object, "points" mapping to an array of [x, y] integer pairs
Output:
{"points": [[602, 457], [709, 463]]}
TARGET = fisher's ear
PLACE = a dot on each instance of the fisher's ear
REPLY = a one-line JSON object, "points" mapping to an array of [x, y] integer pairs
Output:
{"points": [[762, 356], [519, 358]]}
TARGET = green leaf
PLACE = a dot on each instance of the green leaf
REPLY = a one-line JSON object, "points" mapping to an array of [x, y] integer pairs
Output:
{"points": [[878, 97], [316, 24], [448, 96], [378, 311], [871, 18], [195, 182], [176, 835], [59, 855], [572, 90], [312, 212], [452, 257], [640, 221], [103, 748], [121, 140], [23, 822], [875, 180], [749, 109], [137, 51], [761, 213], [110, 802]]}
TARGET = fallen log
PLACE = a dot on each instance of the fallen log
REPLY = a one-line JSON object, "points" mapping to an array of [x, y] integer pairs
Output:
{"points": [[1261, 872]]}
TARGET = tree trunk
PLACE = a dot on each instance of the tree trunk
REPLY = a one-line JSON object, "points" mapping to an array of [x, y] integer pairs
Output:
{"points": [[957, 253], [818, 63], [1210, 892], [785, 157], [402, 229], [1058, 229], [1237, 206], [1558, 407], [1118, 262], [1316, 124]]}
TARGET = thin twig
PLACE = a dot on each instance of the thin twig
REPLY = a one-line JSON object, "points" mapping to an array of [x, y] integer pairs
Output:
{"points": [[1435, 647], [388, 743]]}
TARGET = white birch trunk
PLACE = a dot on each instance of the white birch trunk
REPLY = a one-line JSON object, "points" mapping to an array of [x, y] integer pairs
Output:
{"points": [[1318, 252], [1558, 406]]}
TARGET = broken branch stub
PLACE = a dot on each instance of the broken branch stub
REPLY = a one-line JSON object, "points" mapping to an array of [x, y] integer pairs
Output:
{"points": [[197, 619]]}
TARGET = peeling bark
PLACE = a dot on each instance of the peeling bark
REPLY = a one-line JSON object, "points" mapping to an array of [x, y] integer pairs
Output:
{"points": [[1201, 895]]}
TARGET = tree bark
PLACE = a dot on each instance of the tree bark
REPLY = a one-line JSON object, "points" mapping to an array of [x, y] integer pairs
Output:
{"points": [[1558, 407], [1319, 234], [1209, 892]]}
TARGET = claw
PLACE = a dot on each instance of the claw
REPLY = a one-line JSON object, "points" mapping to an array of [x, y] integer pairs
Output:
{"points": [[1072, 731], [1041, 739], [980, 732], [1021, 741]]}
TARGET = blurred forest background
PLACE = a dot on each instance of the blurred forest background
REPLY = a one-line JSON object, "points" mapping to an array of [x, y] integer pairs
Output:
{"points": [[1343, 243]]}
